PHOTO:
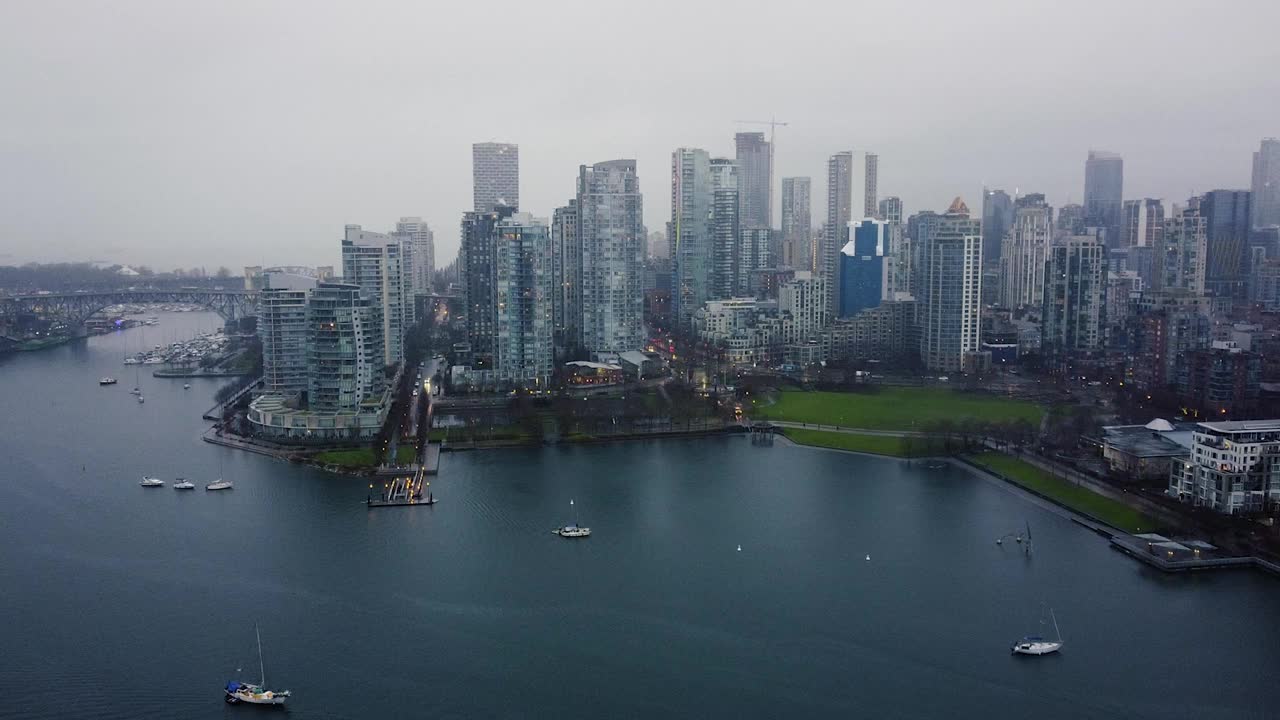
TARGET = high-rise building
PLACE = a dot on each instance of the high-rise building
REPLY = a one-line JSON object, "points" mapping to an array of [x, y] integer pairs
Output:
{"points": [[1070, 219], [420, 251], [611, 228], [345, 348], [866, 267], [1223, 380], [839, 213], [478, 255], [950, 288], [805, 299], [375, 262], [282, 326], [997, 216], [891, 209], [495, 172], [1166, 323], [566, 274], [1074, 315], [797, 220], [754, 254], [1025, 250], [1141, 223], [1226, 214], [755, 179], [659, 246], [523, 301], [871, 174], [1266, 184], [1180, 255], [1103, 193], [690, 233], [725, 226]]}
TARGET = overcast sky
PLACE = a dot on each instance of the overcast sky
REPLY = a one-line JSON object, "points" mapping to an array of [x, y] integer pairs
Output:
{"points": [[178, 133]]}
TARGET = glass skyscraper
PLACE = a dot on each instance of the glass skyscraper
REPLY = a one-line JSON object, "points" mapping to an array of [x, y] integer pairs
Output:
{"points": [[864, 267]]}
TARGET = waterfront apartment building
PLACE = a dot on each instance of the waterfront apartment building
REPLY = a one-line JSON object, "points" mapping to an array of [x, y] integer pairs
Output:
{"points": [[1265, 204], [755, 168], [1025, 250], [839, 213], [1103, 193], [345, 348], [495, 172], [690, 233], [478, 258], [866, 267], [566, 274], [523, 302], [612, 239], [950, 288], [1234, 467], [806, 297], [282, 327], [376, 263], [797, 223], [420, 251], [1073, 319]]}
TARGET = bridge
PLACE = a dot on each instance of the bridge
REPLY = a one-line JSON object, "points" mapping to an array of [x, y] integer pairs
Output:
{"points": [[75, 308]]}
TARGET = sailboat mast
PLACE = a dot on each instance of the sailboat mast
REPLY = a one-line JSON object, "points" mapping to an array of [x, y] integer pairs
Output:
{"points": [[261, 667], [1056, 631]]}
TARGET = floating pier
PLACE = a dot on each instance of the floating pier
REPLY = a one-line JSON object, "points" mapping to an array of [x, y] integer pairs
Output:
{"points": [[406, 485]]}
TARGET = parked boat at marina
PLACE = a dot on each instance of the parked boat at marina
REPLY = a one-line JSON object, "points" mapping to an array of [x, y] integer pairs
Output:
{"points": [[1037, 645], [184, 484], [255, 693], [107, 381], [151, 482], [219, 484]]}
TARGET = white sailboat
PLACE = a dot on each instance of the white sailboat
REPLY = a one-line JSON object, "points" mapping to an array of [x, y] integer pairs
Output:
{"points": [[220, 483], [574, 530], [255, 694], [151, 482], [1037, 645]]}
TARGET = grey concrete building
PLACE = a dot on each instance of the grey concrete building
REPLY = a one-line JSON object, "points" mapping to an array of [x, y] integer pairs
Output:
{"points": [[1103, 193], [755, 169], [839, 213], [950, 288], [612, 238], [797, 223], [495, 172]]}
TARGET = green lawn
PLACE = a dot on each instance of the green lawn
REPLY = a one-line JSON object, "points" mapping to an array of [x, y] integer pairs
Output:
{"points": [[894, 408], [1063, 491], [406, 455], [347, 458], [878, 444]]}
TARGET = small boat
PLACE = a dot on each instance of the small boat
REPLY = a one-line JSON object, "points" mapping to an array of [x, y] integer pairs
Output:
{"points": [[186, 386], [141, 399], [573, 530], [184, 484], [151, 482], [130, 361], [1037, 645], [219, 485], [107, 381], [255, 693]]}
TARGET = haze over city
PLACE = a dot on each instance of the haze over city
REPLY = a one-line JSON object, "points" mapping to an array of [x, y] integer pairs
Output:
{"points": [[178, 134]]}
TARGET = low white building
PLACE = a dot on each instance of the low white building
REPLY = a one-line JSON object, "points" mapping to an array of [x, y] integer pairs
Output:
{"points": [[1234, 467]]}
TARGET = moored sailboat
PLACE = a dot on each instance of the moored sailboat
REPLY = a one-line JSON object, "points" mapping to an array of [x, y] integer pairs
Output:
{"points": [[255, 693]]}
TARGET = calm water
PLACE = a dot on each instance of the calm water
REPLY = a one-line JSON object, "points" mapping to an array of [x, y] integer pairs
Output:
{"points": [[125, 602]]}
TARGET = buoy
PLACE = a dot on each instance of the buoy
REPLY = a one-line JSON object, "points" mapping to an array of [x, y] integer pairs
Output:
{"points": [[868, 558], [999, 541], [739, 548]]}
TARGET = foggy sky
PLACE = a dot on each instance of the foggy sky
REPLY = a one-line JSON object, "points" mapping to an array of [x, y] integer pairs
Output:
{"points": [[176, 133]]}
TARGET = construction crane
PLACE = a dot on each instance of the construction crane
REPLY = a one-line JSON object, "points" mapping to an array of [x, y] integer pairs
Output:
{"points": [[772, 123]]}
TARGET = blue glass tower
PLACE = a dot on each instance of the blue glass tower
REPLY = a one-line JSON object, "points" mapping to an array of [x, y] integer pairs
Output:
{"points": [[864, 270]]}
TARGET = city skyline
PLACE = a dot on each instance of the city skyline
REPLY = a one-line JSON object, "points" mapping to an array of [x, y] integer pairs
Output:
{"points": [[131, 176]]}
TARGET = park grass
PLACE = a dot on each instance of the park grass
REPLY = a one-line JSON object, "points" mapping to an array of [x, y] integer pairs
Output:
{"points": [[895, 408], [1064, 492], [362, 457], [875, 444], [406, 455]]}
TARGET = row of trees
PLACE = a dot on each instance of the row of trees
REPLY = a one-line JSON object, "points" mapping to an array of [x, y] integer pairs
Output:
{"points": [[954, 436]]}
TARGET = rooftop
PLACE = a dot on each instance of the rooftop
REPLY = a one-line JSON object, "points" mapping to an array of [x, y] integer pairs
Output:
{"points": [[1242, 426], [1144, 441]]}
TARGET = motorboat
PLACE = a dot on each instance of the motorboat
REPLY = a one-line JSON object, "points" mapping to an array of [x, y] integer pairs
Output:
{"points": [[186, 386], [151, 482], [219, 485], [141, 399], [184, 484], [107, 381], [131, 361], [255, 693], [572, 531], [1037, 645]]}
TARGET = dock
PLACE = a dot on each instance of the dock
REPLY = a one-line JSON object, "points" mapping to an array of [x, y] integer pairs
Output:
{"points": [[401, 486], [1171, 555]]}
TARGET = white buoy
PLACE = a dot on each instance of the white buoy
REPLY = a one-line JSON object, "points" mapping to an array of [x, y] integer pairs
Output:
{"points": [[868, 558], [739, 548]]}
